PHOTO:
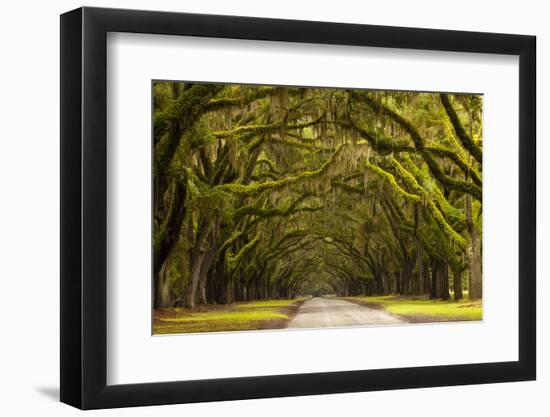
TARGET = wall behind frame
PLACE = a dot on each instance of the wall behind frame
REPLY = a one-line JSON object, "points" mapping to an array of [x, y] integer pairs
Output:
{"points": [[29, 179]]}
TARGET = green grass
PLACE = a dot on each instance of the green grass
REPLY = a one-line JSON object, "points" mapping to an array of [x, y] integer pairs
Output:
{"points": [[232, 316], [269, 303], [253, 315], [420, 310]]}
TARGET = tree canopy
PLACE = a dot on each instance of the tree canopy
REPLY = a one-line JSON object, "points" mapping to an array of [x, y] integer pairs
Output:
{"points": [[268, 192]]}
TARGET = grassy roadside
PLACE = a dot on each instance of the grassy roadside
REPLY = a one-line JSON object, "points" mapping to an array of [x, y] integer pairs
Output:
{"points": [[422, 310], [251, 315]]}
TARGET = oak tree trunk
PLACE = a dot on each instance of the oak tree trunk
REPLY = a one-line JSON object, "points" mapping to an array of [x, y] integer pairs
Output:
{"points": [[474, 255], [444, 294], [457, 286], [162, 287]]}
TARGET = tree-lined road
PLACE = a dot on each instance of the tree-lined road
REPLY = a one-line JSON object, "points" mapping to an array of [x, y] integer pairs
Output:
{"points": [[265, 192], [326, 312]]}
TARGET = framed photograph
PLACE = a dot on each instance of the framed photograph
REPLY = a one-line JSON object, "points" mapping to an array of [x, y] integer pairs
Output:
{"points": [[258, 208]]}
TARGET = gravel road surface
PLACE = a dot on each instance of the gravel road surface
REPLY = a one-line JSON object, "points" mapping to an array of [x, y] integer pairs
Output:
{"points": [[327, 312]]}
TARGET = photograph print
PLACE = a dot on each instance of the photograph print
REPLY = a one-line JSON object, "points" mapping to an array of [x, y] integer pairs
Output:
{"points": [[281, 207]]}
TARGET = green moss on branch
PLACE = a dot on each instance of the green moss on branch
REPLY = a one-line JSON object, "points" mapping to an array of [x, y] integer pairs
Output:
{"points": [[466, 140]]}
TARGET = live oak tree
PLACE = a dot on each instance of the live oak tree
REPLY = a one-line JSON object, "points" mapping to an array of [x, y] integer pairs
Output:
{"points": [[268, 192]]}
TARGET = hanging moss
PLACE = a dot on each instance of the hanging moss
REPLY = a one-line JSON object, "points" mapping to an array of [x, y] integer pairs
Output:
{"points": [[420, 146], [391, 179], [455, 216], [233, 261], [269, 163], [252, 95], [265, 213], [265, 128], [438, 216], [461, 163], [467, 142], [321, 185], [256, 189]]}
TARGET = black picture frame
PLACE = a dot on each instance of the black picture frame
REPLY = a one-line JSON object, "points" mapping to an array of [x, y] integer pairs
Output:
{"points": [[84, 207]]}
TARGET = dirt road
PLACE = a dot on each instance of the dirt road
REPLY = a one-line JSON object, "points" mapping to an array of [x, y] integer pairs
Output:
{"points": [[327, 312]]}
